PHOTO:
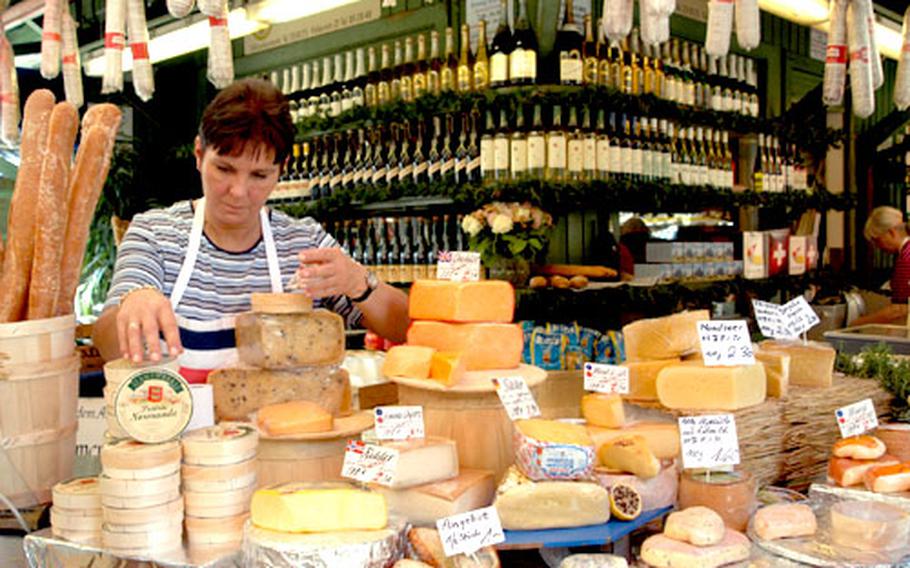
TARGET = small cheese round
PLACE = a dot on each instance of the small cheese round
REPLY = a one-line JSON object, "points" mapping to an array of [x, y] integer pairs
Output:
{"points": [[144, 516], [139, 487], [154, 405], [224, 444], [123, 456], [140, 501], [81, 493]]}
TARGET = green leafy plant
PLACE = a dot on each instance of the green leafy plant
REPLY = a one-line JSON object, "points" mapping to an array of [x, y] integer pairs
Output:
{"points": [[508, 230], [892, 373]]}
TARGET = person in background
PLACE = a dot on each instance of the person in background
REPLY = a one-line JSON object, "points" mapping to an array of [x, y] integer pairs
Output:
{"points": [[633, 241], [185, 272], [887, 231]]}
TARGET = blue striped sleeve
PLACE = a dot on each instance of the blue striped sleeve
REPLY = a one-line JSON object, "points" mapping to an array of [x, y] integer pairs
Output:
{"points": [[139, 262]]}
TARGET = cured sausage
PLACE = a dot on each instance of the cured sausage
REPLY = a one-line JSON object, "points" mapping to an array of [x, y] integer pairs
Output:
{"points": [[72, 67], [835, 80], [51, 38], [720, 26], [221, 56], [114, 27], [9, 94], [902, 82], [617, 19], [860, 63], [180, 8], [143, 76], [748, 24]]}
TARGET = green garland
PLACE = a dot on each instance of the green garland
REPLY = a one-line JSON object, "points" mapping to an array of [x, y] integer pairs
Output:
{"points": [[559, 198], [893, 374]]}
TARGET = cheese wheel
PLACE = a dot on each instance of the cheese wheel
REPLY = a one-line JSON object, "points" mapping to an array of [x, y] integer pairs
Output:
{"points": [[217, 511], [225, 530], [75, 520], [224, 498], [164, 525], [119, 370], [222, 486], [81, 537], [154, 405], [197, 474], [81, 493], [267, 303], [846, 472], [142, 516], [226, 443], [869, 525], [139, 487], [140, 501], [141, 542], [156, 472]]}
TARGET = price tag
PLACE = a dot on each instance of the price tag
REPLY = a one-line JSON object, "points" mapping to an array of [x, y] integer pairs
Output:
{"points": [[725, 343], [799, 315], [708, 441], [610, 379], [771, 320], [517, 398], [369, 463], [458, 266], [857, 418], [398, 422], [467, 533]]}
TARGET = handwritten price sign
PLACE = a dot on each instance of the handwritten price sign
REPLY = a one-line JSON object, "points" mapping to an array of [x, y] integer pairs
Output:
{"points": [[458, 266], [610, 379], [517, 398], [857, 418], [369, 463], [725, 343], [467, 533], [785, 322], [799, 315], [399, 422], [708, 441]]}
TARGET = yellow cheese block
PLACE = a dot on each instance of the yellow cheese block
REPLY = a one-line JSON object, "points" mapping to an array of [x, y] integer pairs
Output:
{"points": [[662, 437], [643, 377], [811, 364], [318, 507], [484, 345], [408, 361], [777, 370], [554, 432], [697, 387], [295, 417], [631, 454], [601, 409], [423, 460], [489, 300], [447, 367], [663, 338]]}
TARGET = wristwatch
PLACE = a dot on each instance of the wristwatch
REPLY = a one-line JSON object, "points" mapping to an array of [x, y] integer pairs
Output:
{"points": [[372, 282]]}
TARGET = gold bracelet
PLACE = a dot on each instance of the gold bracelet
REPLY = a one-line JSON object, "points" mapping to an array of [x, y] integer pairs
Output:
{"points": [[136, 289]]}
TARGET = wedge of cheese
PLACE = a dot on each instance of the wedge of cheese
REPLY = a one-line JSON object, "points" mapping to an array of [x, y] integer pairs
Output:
{"points": [[777, 370], [483, 345], [643, 377], [317, 507], [660, 551], [631, 454], [425, 504], [697, 387], [811, 364], [523, 504], [663, 338], [549, 449], [484, 301], [425, 460], [662, 437], [295, 417], [601, 409], [447, 367], [697, 525], [408, 361], [656, 493]]}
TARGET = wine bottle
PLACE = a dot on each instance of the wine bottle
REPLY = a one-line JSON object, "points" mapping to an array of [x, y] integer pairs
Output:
{"points": [[589, 145], [325, 101], [556, 147], [419, 80], [465, 62], [405, 163], [626, 150], [461, 152], [407, 71], [617, 151], [568, 49], [347, 167], [347, 94], [501, 145], [418, 250], [602, 150], [603, 59], [449, 69], [380, 165], [637, 150], [518, 147], [384, 87], [647, 163], [420, 163], [488, 150], [406, 268], [370, 95], [359, 167], [590, 53], [473, 172], [523, 59], [392, 164], [481, 61], [397, 70], [575, 159], [501, 48], [537, 146], [434, 160], [447, 158], [358, 82], [434, 69]]}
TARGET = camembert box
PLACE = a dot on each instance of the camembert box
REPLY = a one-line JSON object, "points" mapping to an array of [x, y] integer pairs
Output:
{"points": [[154, 405]]}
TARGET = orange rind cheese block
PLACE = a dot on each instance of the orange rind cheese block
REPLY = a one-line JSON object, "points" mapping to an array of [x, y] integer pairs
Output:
{"points": [[484, 346], [447, 367], [847, 472], [295, 417], [859, 448], [643, 377], [785, 520], [888, 478], [442, 300], [408, 361]]}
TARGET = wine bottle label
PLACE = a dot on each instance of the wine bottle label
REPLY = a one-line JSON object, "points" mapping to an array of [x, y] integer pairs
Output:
{"points": [[603, 155], [627, 158], [501, 153], [335, 108], [570, 70], [347, 103], [518, 151], [487, 155], [406, 172], [590, 71], [347, 178], [556, 151], [391, 174], [647, 163], [523, 64], [499, 68], [616, 159], [357, 99], [590, 153], [537, 152], [420, 169], [448, 166], [473, 165], [576, 156], [638, 162]]}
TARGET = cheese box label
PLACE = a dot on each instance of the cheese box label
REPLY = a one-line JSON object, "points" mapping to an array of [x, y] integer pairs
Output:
{"points": [[466, 533], [708, 441], [517, 398], [559, 461], [399, 422], [369, 463], [153, 405], [458, 266], [609, 379], [725, 343], [857, 418]]}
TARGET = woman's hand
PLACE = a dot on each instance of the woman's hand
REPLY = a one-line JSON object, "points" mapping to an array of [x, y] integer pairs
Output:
{"points": [[143, 315], [330, 272]]}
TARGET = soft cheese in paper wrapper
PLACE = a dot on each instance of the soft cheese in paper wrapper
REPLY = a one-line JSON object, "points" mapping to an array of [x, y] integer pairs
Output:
{"points": [[617, 19], [540, 460]]}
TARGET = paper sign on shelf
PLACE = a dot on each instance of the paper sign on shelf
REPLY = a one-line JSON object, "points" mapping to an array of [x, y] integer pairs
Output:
{"points": [[708, 441], [857, 418], [458, 266], [785, 322], [369, 463], [466, 533], [799, 315], [725, 343], [610, 379], [517, 398], [399, 422]]}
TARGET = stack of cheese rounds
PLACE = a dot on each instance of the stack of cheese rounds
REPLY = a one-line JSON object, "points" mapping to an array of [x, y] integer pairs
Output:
{"points": [[76, 514], [141, 507], [115, 373], [219, 477]]}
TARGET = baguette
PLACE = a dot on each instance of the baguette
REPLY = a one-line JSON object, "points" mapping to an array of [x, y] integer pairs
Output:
{"points": [[93, 161], [888, 478], [52, 210], [17, 263], [105, 115], [575, 270], [859, 448]]}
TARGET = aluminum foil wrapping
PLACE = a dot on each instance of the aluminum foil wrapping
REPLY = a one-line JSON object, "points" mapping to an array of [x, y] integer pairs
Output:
{"points": [[44, 550], [353, 549], [819, 549]]}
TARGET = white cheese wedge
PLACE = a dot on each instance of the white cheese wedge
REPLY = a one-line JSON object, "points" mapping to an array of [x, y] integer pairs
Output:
{"points": [[423, 461], [425, 504]]}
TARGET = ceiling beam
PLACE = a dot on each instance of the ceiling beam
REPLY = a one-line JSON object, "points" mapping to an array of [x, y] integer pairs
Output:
{"points": [[21, 12]]}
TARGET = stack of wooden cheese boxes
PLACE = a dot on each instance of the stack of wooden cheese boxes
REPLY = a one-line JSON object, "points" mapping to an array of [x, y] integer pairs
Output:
{"points": [[76, 514], [219, 477]]}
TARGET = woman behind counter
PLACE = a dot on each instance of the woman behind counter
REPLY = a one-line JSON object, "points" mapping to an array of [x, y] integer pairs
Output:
{"points": [[887, 231], [183, 273]]}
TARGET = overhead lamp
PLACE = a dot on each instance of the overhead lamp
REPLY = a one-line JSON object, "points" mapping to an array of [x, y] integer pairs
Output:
{"points": [[805, 12], [888, 38], [280, 11]]}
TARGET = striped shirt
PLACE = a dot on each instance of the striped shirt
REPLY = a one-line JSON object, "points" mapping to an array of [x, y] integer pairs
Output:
{"points": [[155, 245], [900, 278]]}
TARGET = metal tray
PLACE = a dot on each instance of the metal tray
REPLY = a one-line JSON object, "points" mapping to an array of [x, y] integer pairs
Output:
{"points": [[854, 339]]}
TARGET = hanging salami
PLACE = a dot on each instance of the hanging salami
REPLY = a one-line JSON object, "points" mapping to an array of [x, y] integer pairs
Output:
{"points": [[114, 26], [72, 66], [860, 63], [221, 56], [617, 19], [211, 8], [875, 58], [655, 20], [51, 39], [902, 82], [748, 24], [180, 8], [9, 95], [836, 55], [143, 75], [720, 26]]}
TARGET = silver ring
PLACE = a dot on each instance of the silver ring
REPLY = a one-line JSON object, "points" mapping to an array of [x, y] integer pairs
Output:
{"points": [[133, 325]]}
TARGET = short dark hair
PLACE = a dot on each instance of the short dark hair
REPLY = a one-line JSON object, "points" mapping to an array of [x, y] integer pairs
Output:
{"points": [[249, 110]]}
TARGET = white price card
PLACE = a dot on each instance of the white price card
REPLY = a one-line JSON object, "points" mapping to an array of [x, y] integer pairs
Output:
{"points": [[770, 320], [857, 418], [610, 379], [398, 422], [458, 266], [725, 343], [369, 463], [708, 441], [466, 533], [799, 315], [517, 398]]}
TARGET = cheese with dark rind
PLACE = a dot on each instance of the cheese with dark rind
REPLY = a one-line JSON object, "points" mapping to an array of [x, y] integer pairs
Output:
{"points": [[442, 300], [285, 341]]}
